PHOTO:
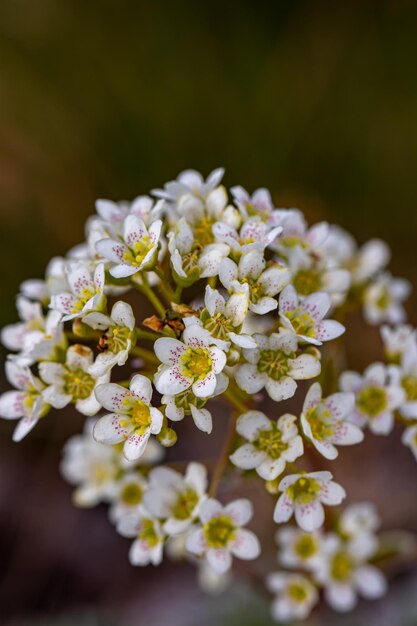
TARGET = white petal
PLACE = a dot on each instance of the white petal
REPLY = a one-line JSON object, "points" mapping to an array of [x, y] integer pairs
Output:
{"points": [[246, 545], [169, 350], [202, 419], [205, 388], [250, 424], [210, 508], [111, 250], [317, 305], [249, 379], [79, 357], [109, 430], [112, 396], [23, 427], [310, 516], [240, 511], [195, 542], [122, 314], [141, 387], [281, 389], [247, 457], [284, 508], [340, 597], [370, 582], [220, 560], [170, 381], [329, 329], [304, 366], [157, 420], [332, 493], [123, 270], [218, 358], [270, 469], [11, 405], [135, 445]]}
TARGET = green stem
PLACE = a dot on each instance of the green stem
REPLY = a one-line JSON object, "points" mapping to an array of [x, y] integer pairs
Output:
{"points": [[146, 334], [146, 355], [147, 291], [177, 294], [232, 397], [223, 459]]}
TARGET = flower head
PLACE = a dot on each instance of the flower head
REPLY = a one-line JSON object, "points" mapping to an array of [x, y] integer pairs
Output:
{"points": [[221, 535], [324, 421], [149, 537], [86, 291], [132, 418], [271, 445], [193, 362], [304, 495], [275, 365], [295, 596]]}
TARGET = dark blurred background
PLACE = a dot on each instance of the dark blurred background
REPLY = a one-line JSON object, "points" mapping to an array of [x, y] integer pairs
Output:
{"points": [[318, 102]]}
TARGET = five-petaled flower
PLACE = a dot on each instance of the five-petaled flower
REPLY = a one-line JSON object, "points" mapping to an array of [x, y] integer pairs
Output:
{"points": [[132, 418], [193, 362], [304, 495], [221, 535], [271, 445], [324, 421], [86, 291]]}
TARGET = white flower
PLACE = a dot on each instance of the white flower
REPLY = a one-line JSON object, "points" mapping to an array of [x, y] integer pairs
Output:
{"points": [[221, 534], [175, 498], [409, 439], [298, 549], [271, 444], [264, 281], [344, 572], [397, 340], [149, 538], [71, 381], [192, 362], [37, 336], [112, 214], [136, 250], [275, 365], [92, 467], [305, 318], [304, 495], [132, 419], [117, 342], [224, 318], [86, 291], [259, 204], [296, 233], [129, 494], [358, 524], [312, 272], [253, 235], [27, 404], [369, 260], [193, 256], [405, 377], [324, 421], [295, 596], [186, 403], [375, 399], [383, 300]]}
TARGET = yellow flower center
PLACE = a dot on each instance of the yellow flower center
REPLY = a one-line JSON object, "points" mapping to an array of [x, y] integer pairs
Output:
{"points": [[196, 363], [318, 418], [372, 401], [274, 363], [306, 546], [203, 231], [270, 441], [304, 490], [302, 322], [297, 592], [219, 531], [307, 281], [131, 494], [409, 384], [342, 567], [78, 384], [148, 534], [141, 417], [135, 255], [185, 504]]}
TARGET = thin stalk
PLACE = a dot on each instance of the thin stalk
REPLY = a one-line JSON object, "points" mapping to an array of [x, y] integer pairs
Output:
{"points": [[223, 459], [146, 334], [235, 401], [152, 297]]}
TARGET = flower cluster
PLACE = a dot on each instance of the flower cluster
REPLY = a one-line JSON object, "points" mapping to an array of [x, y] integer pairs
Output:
{"points": [[248, 300]]}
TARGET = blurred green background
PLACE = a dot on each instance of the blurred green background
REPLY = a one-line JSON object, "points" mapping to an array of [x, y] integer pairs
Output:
{"points": [[106, 98]]}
